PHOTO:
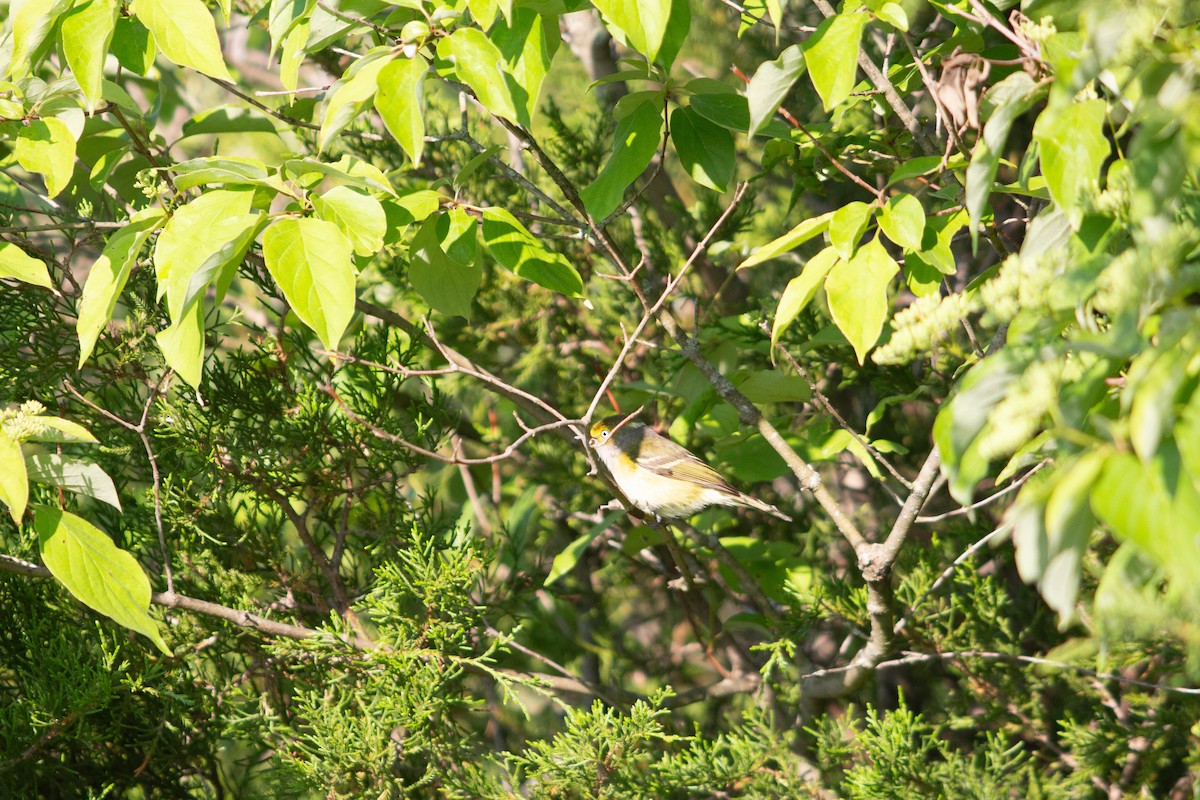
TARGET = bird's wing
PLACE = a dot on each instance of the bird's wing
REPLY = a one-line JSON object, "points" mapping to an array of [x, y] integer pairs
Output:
{"points": [[680, 464]]}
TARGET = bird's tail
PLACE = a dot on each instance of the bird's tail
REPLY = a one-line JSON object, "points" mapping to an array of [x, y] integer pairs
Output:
{"points": [[747, 501]]}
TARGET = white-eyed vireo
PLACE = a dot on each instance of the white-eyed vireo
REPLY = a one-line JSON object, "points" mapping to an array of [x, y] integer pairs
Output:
{"points": [[661, 478]]}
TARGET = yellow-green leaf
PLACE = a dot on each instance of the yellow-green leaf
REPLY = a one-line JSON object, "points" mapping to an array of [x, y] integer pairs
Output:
{"points": [[858, 296], [46, 146], [186, 33], [87, 33], [352, 95], [16, 263], [107, 278], [99, 574], [400, 101], [14, 485], [310, 259]]}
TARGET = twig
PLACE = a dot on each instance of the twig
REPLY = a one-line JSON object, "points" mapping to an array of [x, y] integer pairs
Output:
{"points": [[140, 429], [386, 436], [991, 498]]}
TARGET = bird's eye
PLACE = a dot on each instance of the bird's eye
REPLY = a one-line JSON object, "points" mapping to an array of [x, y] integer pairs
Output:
{"points": [[603, 434]]}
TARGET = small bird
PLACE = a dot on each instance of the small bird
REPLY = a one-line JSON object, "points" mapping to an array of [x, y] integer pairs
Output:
{"points": [[660, 477]]}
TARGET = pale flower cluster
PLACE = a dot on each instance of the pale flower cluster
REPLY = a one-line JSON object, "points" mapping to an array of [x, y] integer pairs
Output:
{"points": [[922, 325], [1015, 419], [22, 422]]}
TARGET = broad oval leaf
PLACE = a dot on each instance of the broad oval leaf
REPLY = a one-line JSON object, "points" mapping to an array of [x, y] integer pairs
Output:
{"points": [[357, 214], [353, 94], [16, 263], [186, 33], [99, 574], [182, 345], [74, 475], [200, 241], [310, 259], [858, 296], [511, 244], [47, 146], [808, 229], [107, 278], [832, 56], [400, 101], [634, 145], [705, 149], [14, 485], [903, 221], [771, 83], [479, 64], [1072, 147], [847, 226], [446, 283], [800, 290], [87, 32]]}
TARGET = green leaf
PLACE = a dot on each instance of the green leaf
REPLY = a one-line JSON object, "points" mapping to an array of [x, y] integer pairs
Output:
{"points": [[771, 83], [107, 278], [310, 259], [893, 14], [720, 103], [528, 45], [412, 206], [832, 56], [847, 226], [292, 55], [1151, 384], [61, 430], [133, 45], [31, 24], [1155, 505], [219, 169], [400, 101], [186, 33], [858, 296], [74, 475], [16, 263], [513, 246], [447, 284], [566, 560], [14, 485], [359, 215], [479, 64], [808, 229], [800, 290], [903, 221], [283, 17], [773, 386], [46, 146], [1011, 98], [641, 23], [200, 241], [1072, 147], [705, 149], [634, 145], [98, 573], [353, 94], [228, 119], [1069, 525], [87, 33], [914, 168], [964, 417], [182, 345]]}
